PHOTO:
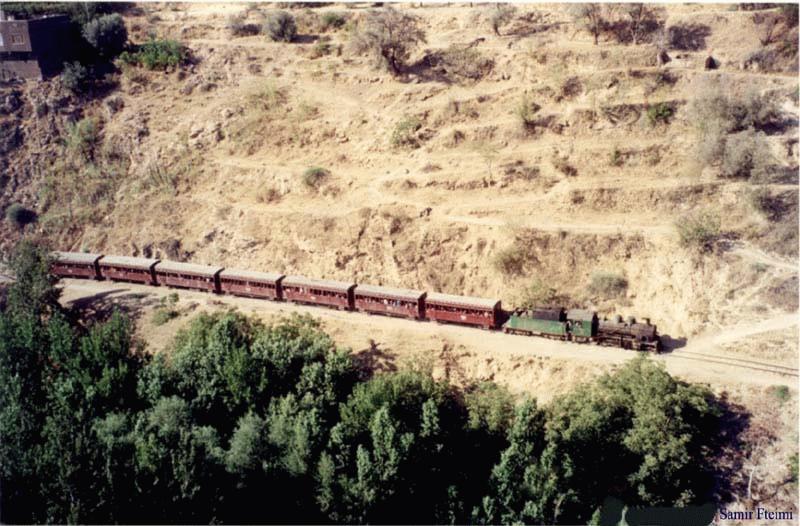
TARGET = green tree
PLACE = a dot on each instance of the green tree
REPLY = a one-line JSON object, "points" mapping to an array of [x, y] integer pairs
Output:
{"points": [[179, 465], [107, 34], [521, 486]]}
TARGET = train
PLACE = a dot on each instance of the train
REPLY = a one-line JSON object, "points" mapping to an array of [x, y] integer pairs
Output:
{"points": [[575, 325]]}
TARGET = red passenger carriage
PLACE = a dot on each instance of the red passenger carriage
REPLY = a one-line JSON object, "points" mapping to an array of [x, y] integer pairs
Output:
{"points": [[188, 275], [390, 301], [462, 309], [337, 294], [124, 268], [251, 284], [75, 265]]}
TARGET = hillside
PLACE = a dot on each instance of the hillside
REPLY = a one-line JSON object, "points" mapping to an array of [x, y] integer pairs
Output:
{"points": [[206, 163]]}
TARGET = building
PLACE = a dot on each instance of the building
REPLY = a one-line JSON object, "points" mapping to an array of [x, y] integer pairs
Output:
{"points": [[33, 49]]}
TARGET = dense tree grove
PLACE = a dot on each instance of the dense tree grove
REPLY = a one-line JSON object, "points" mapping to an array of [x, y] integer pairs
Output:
{"points": [[244, 422]]}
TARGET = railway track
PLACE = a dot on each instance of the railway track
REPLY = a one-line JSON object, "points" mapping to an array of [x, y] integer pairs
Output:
{"points": [[737, 362], [728, 361]]}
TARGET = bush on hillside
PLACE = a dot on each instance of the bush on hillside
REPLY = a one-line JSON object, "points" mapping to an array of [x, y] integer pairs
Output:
{"points": [[156, 54], [107, 35], [404, 134], [237, 27], [166, 310], [462, 63], [772, 207], [75, 77], [501, 15], [314, 176], [333, 20], [280, 26], [510, 261], [699, 230], [83, 137], [19, 216], [526, 112], [539, 294], [715, 106], [389, 36], [659, 114], [688, 36], [608, 284]]}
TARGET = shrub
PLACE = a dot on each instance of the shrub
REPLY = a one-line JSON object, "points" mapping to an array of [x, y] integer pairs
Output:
{"points": [[269, 97], [237, 27], [268, 195], [166, 310], [156, 54], [608, 284], [321, 47], [538, 294], [280, 26], [526, 112], [780, 392], [773, 207], [659, 113], [501, 15], [699, 230], [738, 156], [107, 34], [19, 216], [463, 62], [115, 104], [688, 37], [715, 106], [746, 155], [333, 20], [617, 158], [75, 77], [767, 60], [389, 36], [314, 176], [83, 137], [404, 134], [562, 165], [571, 88], [510, 261]]}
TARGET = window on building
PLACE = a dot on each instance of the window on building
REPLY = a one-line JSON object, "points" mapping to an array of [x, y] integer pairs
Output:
{"points": [[17, 39]]}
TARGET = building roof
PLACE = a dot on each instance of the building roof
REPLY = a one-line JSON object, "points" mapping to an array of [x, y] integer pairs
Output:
{"points": [[79, 258], [187, 268], [461, 301], [128, 261], [581, 314], [234, 273], [389, 292], [327, 284]]}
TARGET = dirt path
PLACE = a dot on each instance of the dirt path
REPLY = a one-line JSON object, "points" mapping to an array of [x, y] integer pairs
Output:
{"points": [[759, 256], [701, 360]]}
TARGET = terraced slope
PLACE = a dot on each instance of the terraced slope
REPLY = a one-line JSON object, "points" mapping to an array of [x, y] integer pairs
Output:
{"points": [[208, 162]]}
